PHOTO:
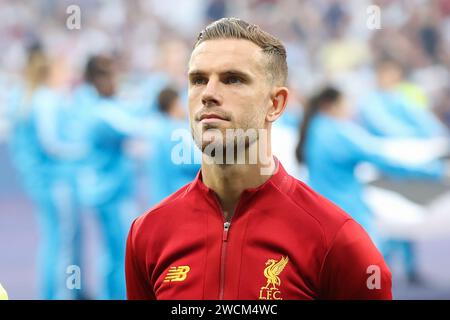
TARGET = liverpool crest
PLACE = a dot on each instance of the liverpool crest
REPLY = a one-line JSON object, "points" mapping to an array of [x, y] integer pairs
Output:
{"points": [[271, 290]]}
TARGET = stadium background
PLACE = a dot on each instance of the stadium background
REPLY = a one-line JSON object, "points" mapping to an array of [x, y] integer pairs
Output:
{"points": [[326, 40]]}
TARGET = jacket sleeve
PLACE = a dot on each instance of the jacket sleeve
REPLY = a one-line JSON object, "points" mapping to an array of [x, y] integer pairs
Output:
{"points": [[353, 268], [375, 117], [138, 285], [426, 123], [357, 145]]}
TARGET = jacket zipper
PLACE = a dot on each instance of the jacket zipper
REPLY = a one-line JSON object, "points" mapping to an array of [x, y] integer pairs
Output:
{"points": [[226, 228]]}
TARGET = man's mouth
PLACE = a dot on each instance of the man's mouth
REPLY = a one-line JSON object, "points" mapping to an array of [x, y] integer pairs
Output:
{"points": [[211, 117]]}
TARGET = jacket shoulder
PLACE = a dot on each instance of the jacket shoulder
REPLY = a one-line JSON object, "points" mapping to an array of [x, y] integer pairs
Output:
{"points": [[327, 214], [167, 206]]}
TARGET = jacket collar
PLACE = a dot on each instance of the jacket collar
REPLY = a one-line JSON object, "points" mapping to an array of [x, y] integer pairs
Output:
{"points": [[278, 179]]}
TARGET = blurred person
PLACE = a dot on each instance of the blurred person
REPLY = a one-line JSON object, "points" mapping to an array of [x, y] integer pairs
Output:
{"points": [[396, 80], [332, 146], [250, 230], [45, 165], [398, 109], [169, 69], [165, 176], [105, 173], [387, 113]]}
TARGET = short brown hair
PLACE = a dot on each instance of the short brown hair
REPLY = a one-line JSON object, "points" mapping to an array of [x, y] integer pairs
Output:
{"points": [[97, 65], [234, 28], [166, 98]]}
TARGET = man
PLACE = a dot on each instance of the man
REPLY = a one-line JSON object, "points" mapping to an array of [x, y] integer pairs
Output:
{"points": [[389, 112], [164, 176], [392, 112], [247, 231], [44, 161], [105, 173]]}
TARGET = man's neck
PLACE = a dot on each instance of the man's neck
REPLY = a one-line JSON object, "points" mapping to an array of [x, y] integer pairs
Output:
{"points": [[229, 181]]}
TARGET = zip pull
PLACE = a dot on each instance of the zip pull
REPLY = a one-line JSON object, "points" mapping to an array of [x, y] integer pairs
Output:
{"points": [[226, 227]]}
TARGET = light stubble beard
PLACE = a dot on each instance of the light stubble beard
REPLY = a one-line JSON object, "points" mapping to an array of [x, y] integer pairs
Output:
{"points": [[236, 146]]}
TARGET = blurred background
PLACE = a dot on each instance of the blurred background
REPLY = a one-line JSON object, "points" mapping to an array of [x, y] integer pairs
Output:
{"points": [[91, 92]]}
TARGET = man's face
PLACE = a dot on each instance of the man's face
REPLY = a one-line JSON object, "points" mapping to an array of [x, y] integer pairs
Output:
{"points": [[105, 80], [228, 89], [389, 76]]}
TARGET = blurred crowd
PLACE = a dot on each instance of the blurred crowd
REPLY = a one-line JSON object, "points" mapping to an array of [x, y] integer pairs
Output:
{"points": [[88, 114]]}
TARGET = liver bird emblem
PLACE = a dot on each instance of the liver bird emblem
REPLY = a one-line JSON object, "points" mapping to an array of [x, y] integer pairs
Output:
{"points": [[273, 270]]}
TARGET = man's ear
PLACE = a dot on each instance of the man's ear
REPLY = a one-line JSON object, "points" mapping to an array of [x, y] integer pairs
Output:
{"points": [[279, 98]]}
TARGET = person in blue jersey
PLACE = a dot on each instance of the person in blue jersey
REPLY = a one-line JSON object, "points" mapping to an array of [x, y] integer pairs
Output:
{"points": [[332, 146], [44, 162], [105, 173], [388, 112], [169, 134], [168, 69]]}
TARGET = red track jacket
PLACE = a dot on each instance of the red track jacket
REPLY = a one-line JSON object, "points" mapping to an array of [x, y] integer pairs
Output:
{"points": [[284, 242]]}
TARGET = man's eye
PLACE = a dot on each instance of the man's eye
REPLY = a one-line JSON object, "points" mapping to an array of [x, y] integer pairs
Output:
{"points": [[199, 81], [234, 80]]}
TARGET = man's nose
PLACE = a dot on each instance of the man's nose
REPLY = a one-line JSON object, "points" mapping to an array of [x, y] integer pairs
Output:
{"points": [[211, 95]]}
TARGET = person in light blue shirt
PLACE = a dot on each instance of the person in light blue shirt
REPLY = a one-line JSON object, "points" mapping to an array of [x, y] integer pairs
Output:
{"points": [[386, 112], [45, 163], [165, 174], [332, 146], [105, 173]]}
